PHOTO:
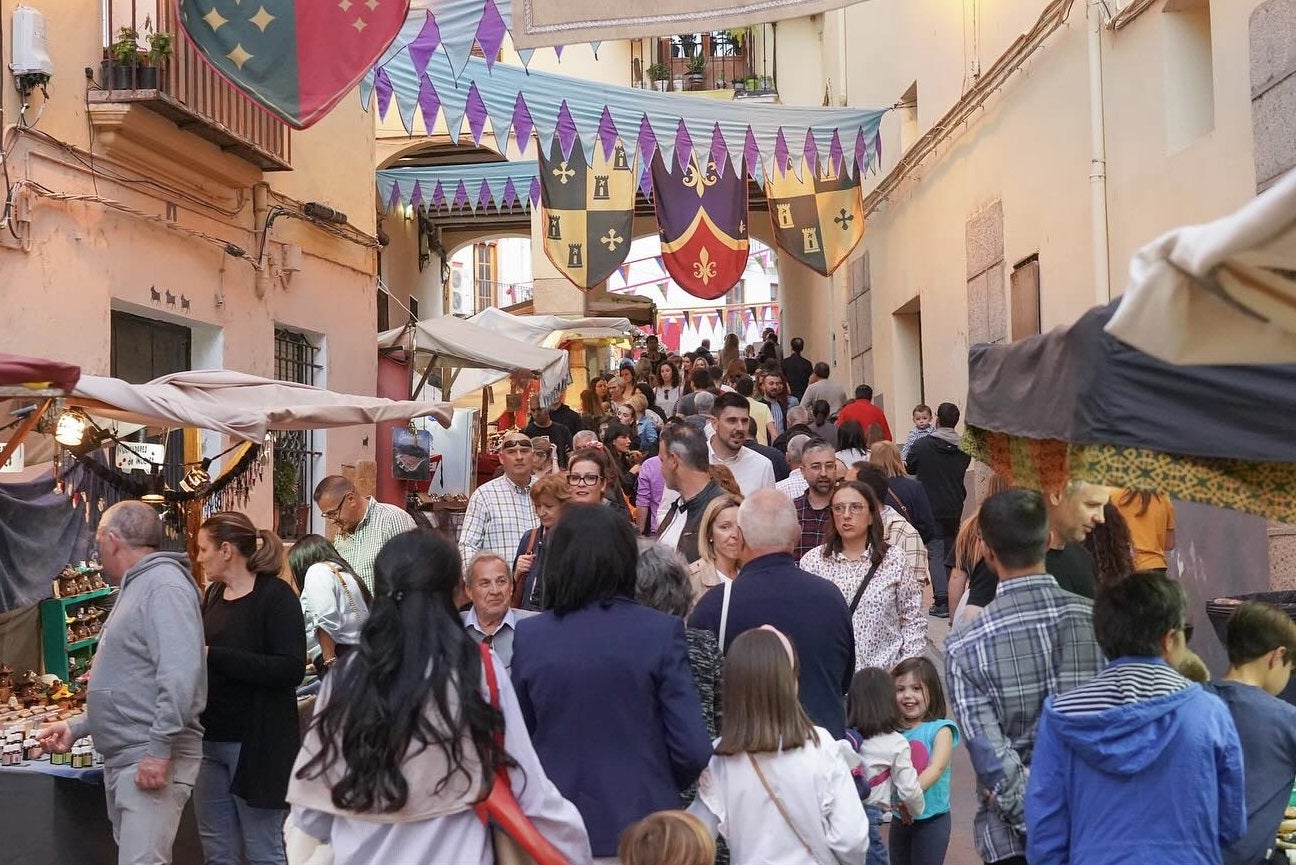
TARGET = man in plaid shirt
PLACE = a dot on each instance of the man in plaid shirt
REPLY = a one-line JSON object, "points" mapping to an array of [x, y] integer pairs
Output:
{"points": [[1034, 640]]}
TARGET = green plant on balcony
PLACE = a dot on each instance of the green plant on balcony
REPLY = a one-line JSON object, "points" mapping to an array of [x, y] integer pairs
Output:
{"points": [[119, 71], [696, 71], [161, 47], [659, 74]]}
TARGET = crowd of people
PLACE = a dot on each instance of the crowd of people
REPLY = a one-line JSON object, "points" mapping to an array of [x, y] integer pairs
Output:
{"points": [[690, 628]]}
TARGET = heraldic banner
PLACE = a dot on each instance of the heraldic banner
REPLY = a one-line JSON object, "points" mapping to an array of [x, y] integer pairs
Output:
{"points": [[587, 211], [703, 219], [296, 58], [818, 218]]}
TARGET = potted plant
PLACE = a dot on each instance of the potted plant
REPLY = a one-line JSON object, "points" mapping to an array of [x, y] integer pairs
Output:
{"points": [[659, 74], [124, 52], [696, 71], [285, 497], [161, 47]]}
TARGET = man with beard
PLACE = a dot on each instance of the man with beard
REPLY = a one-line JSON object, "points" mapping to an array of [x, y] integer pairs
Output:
{"points": [[500, 511], [819, 466], [752, 471]]}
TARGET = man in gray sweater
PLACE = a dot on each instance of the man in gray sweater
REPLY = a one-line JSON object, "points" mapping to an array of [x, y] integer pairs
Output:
{"points": [[147, 688]]}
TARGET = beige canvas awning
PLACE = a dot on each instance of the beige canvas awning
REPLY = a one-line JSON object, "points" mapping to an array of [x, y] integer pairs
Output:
{"points": [[1220, 293], [239, 405]]}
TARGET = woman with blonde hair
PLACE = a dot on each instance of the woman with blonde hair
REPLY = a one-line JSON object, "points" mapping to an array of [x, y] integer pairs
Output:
{"points": [[720, 543], [904, 493], [667, 838], [730, 352], [256, 658], [549, 495], [778, 784]]}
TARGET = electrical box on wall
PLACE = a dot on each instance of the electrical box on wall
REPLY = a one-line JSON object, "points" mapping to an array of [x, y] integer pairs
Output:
{"points": [[31, 62]]}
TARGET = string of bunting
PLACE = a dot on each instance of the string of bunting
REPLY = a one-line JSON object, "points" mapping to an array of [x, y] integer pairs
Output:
{"points": [[105, 485]]}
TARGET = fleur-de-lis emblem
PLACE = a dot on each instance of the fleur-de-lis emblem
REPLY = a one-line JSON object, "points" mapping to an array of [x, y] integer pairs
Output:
{"points": [[563, 173], [704, 268], [694, 178]]}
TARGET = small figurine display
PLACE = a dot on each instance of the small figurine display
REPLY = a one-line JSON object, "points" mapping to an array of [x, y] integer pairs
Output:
{"points": [[6, 683], [79, 579]]}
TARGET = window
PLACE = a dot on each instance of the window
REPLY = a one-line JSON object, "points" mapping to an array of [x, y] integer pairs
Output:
{"points": [[484, 274], [1189, 72], [737, 294], [986, 306], [295, 451], [860, 316], [1024, 287], [413, 308]]}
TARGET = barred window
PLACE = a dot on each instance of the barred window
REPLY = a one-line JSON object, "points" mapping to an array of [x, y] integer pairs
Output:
{"points": [[296, 452]]}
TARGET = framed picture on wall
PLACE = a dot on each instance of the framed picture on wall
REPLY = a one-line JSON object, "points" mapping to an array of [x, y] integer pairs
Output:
{"points": [[411, 452]]}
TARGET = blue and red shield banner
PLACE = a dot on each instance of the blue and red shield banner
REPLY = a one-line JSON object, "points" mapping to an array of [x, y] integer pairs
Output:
{"points": [[295, 58], [703, 218]]}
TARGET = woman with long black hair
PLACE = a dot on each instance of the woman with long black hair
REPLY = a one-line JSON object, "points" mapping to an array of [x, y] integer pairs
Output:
{"points": [[334, 602], [404, 737]]}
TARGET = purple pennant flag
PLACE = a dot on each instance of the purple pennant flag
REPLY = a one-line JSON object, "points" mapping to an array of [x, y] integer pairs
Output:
{"points": [[425, 45], [861, 152], [383, 88], [395, 196], [416, 197], [645, 178], [558, 50], [429, 103], [780, 154], [484, 196], [810, 151], [835, 154], [565, 129], [719, 152], [647, 141], [475, 109], [534, 193], [522, 123], [438, 196], [683, 145], [461, 197], [607, 133], [751, 150], [510, 194], [490, 33]]}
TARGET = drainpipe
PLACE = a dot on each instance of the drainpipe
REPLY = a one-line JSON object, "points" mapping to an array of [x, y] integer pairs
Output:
{"points": [[1098, 158], [260, 212]]}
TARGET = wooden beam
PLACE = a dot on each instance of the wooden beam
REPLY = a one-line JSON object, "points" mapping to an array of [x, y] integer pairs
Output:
{"points": [[28, 424]]}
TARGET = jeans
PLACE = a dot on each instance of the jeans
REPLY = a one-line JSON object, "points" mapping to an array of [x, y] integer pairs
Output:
{"points": [[231, 830], [144, 822], [939, 574], [922, 842], [877, 851]]}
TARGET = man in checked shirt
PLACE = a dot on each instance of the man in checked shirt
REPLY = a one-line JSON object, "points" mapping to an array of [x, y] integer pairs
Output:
{"points": [[1034, 640], [500, 511]]}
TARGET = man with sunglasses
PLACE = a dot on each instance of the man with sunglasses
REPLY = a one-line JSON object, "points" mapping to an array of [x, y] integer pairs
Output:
{"points": [[500, 512], [363, 523]]}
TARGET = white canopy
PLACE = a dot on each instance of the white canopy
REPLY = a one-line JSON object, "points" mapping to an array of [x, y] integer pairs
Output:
{"points": [[240, 405], [538, 330], [485, 354], [1220, 293]]}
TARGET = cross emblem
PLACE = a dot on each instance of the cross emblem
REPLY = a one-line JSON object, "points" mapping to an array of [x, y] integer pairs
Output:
{"points": [[611, 240], [563, 173], [844, 219]]}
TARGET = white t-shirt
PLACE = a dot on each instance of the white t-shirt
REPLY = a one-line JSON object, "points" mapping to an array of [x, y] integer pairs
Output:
{"points": [[752, 471]]}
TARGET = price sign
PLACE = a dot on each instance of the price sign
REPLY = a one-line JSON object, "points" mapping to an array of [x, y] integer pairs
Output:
{"points": [[139, 456]]}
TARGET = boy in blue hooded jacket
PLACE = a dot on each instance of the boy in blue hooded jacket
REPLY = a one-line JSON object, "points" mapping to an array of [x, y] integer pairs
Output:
{"points": [[1139, 765]]}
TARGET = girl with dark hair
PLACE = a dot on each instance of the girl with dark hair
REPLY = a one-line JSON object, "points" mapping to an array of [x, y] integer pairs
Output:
{"points": [[619, 443], [777, 784], [256, 657], [1110, 545], [924, 839], [604, 683], [334, 602], [1151, 520], [883, 761], [884, 595], [852, 442], [668, 390], [404, 739], [595, 479]]}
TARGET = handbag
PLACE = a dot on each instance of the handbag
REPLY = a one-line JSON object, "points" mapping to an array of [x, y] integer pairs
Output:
{"points": [[519, 586], [517, 841], [328, 646], [778, 803]]}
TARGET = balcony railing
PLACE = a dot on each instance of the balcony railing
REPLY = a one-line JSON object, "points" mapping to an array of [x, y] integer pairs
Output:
{"points": [[188, 91]]}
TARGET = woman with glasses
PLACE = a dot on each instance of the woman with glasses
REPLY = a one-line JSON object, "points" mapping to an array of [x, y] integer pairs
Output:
{"points": [[884, 596], [550, 495], [604, 684], [595, 480]]}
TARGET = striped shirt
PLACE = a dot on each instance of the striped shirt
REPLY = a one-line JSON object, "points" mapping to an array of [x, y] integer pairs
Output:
{"points": [[1122, 684], [1033, 641], [360, 546], [499, 513]]}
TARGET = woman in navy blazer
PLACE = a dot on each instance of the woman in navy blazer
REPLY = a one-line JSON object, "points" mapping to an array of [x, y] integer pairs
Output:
{"points": [[604, 683]]}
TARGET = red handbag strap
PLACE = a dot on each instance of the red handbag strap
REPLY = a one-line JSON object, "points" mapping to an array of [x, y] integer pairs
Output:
{"points": [[492, 684]]}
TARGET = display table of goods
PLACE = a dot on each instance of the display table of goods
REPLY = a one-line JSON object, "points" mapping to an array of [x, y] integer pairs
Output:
{"points": [[72, 619]]}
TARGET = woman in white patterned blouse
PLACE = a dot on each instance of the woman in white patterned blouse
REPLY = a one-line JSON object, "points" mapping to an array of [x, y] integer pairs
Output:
{"points": [[886, 609]]}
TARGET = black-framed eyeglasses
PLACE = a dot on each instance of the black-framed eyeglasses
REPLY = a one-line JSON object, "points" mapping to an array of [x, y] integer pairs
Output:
{"points": [[584, 480], [332, 514]]}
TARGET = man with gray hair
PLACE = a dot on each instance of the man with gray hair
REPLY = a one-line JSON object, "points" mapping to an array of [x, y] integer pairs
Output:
{"points": [[686, 469], [795, 483], [772, 590], [491, 620], [586, 438], [148, 689]]}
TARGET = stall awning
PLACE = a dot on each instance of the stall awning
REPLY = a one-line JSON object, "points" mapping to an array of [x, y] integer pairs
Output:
{"points": [[486, 354], [239, 405], [33, 374]]}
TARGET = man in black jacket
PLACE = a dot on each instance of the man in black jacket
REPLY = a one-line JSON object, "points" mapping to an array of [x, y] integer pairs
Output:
{"points": [[940, 466]]}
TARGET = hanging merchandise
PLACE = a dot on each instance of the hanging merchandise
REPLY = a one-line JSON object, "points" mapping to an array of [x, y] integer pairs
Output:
{"points": [[817, 215], [588, 210], [703, 219], [295, 58]]}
